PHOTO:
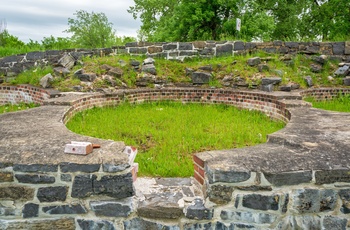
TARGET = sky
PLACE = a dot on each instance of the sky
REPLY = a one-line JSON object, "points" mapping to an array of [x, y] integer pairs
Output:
{"points": [[36, 19]]}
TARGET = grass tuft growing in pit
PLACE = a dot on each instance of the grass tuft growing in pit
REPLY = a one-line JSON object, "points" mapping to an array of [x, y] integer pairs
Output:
{"points": [[341, 103], [16, 107], [167, 134]]}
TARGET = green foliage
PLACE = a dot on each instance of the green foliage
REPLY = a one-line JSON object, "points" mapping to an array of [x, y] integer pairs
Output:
{"points": [[32, 76], [91, 30], [52, 43], [16, 107], [340, 103], [193, 128], [172, 20]]}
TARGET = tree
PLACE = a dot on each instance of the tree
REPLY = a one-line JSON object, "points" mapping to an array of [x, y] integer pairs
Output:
{"points": [[91, 30], [188, 20], [8, 40]]}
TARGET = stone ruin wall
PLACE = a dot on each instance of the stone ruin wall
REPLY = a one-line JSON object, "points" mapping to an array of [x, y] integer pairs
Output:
{"points": [[12, 65], [73, 196]]}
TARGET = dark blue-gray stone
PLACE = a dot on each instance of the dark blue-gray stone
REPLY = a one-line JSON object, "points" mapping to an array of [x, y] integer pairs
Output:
{"points": [[95, 224], [30, 210], [52, 194], [224, 50], [35, 179], [247, 217], [66, 177], [334, 223], [308, 80], [73, 167], [338, 48], [118, 186], [35, 168], [227, 176], [112, 208], [138, 223], [271, 80], [238, 45], [289, 178], [201, 77], [292, 44], [185, 46], [332, 176], [170, 46], [65, 209], [82, 186], [254, 61], [198, 211], [261, 202], [114, 168]]}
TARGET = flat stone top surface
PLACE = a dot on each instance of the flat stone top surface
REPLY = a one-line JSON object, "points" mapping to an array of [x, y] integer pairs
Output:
{"points": [[38, 136], [314, 139]]}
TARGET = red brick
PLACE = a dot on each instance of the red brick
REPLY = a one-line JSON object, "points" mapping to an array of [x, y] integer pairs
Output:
{"points": [[198, 161]]}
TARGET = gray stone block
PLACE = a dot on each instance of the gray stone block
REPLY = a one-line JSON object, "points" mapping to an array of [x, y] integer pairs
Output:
{"points": [[198, 211], [289, 178], [169, 203], [220, 194], [342, 71], [332, 176], [112, 208], [114, 168], [66, 177], [313, 200], [185, 46], [149, 68], [224, 50], [137, 224], [87, 77], [65, 209], [261, 202], [334, 223], [119, 186], [248, 217], [170, 46], [308, 80], [292, 44], [73, 167], [271, 80], [35, 168], [82, 186], [35, 179], [315, 68], [238, 45], [201, 77], [95, 224], [34, 56], [52, 194], [300, 222], [227, 176], [137, 50], [254, 61], [346, 81], [30, 210], [199, 226], [207, 51], [338, 48]]}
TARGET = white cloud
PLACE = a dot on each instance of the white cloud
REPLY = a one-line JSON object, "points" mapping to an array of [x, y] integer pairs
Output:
{"points": [[36, 19]]}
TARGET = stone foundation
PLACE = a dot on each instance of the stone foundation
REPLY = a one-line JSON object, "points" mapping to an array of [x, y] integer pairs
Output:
{"points": [[299, 179]]}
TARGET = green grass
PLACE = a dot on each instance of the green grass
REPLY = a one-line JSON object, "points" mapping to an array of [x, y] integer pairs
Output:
{"points": [[16, 107], [32, 76], [340, 103], [167, 134]]}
